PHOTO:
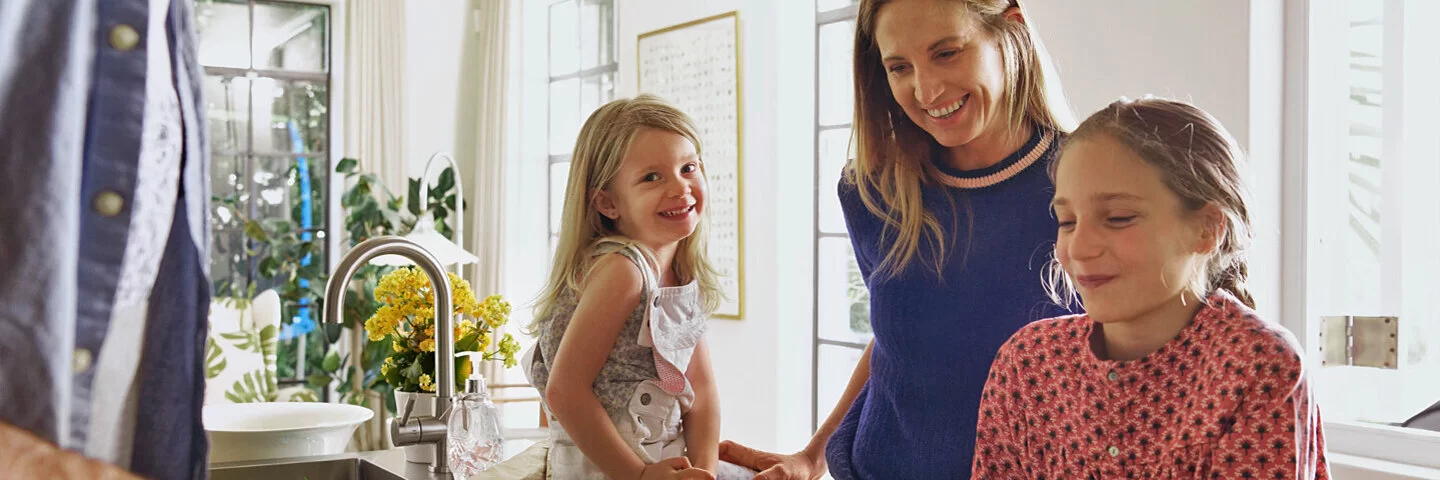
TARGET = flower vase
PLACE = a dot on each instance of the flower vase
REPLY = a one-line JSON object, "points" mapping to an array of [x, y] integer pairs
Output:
{"points": [[424, 407]]}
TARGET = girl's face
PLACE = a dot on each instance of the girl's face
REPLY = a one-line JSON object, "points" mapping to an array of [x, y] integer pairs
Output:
{"points": [[658, 194], [945, 70], [1125, 240]]}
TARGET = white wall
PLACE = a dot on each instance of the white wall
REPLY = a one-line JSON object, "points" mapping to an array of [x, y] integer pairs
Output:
{"points": [[1222, 55], [436, 31]]}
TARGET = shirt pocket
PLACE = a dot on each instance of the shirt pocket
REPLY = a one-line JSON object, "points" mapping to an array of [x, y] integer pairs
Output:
{"points": [[655, 414]]}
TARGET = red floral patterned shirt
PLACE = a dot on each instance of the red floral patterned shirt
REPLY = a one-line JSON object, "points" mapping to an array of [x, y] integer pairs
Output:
{"points": [[1227, 398]]}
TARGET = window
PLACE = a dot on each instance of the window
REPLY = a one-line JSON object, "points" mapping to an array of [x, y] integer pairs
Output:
{"points": [[267, 85], [1371, 220], [842, 303], [582, 66]]}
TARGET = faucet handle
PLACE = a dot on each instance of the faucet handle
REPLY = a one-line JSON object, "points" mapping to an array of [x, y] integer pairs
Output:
{"points": [[409, 406]]}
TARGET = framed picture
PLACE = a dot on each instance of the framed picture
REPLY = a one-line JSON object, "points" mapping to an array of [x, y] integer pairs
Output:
{"points": [[696, 67]]}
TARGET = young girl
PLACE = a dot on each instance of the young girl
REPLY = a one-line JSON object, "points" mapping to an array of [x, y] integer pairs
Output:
{"points": [[621, 359], [1169, 374]]}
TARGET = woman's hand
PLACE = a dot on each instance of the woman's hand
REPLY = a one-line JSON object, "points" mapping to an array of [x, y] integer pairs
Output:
{"points": [[677, 468], [803, 465]]}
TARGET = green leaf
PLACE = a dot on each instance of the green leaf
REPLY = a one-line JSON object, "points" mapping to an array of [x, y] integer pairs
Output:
{"points": [[214, 359], [450, 202], [446, 182], [353, 196], [413, 372], [304, 395], [255, 232], [412, 200], [269, 266], [277, 225], [348, 166], [332, 362], [318, 380], [468, 343], [392, 221], [247, 340], [250, 388]]}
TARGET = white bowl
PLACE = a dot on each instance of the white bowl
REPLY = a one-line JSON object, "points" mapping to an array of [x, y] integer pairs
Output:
{"points": [[261, 431]]}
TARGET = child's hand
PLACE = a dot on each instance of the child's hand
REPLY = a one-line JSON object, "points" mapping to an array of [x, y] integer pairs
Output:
{"points": [[677, 468]]}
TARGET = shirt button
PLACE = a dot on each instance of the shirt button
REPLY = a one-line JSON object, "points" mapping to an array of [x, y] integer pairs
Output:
{"points": [[82, 360], [645, 399], [124, 38], [1114, 452], [109, 203], [1113, 376]]}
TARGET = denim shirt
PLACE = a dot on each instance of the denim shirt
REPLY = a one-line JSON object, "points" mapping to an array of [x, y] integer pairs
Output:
{"points": [[72, 102]]}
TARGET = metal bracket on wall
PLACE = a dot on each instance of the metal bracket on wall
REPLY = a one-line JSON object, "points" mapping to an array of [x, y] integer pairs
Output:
{"points": [[1359, 340]]}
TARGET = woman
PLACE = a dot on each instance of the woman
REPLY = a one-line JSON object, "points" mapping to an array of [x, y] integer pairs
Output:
{"points": [[947, 203]]}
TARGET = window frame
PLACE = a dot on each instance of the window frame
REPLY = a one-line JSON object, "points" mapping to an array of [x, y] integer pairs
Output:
{"points": [[848, 13], [582, 74], [1310, 123], [331, 78]]}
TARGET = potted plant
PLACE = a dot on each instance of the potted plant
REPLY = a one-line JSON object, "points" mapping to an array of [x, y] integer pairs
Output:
{"points": [[406, 321]]}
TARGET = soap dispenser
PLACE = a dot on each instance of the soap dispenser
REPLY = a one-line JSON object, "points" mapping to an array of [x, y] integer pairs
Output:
{"points": [[476, 441]]}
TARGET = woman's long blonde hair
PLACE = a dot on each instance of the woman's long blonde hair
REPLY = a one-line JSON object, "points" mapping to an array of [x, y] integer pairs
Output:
{"points": [[890, 165], [600, 149]]}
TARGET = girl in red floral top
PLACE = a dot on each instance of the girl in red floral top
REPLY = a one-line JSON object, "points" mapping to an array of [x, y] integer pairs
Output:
{"points": [[1170, 374]]}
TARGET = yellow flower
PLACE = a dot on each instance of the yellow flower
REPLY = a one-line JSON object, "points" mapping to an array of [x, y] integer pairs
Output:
{"points": [[494, 310], [508, 347], [425, 383], [406, 317]]}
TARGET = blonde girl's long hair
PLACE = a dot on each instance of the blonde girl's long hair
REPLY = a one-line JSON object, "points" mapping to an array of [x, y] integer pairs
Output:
{"points": [[600, 149]]}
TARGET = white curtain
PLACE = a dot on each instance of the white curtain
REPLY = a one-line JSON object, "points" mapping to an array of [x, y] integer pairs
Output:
{"points": [[374, 84], [374, 132], [486, 224]]}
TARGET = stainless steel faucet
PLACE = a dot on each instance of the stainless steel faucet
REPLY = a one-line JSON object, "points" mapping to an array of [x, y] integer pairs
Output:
{"points": [[408, 431]]}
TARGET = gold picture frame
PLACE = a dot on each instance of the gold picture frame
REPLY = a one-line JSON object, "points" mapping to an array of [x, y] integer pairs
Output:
{"points": [[696, 66]]}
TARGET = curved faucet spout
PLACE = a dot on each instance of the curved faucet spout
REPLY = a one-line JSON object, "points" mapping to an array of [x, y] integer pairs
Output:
{"points": [[444, 309]]}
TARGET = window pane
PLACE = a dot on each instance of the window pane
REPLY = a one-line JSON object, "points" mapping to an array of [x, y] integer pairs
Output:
{"points": [[837, 96], [834, 152], [1361, 257], [1363, 239], [228, 263], [595, 22], [291, 36], [594, 92], [228, 186], [564, 115], [226, 100], [564, 38], [827, 5], [836, 365], [607, 89], [291, 116], [282, 193], [844, 301], [223, 26], [559, 176], [606, 38]]}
